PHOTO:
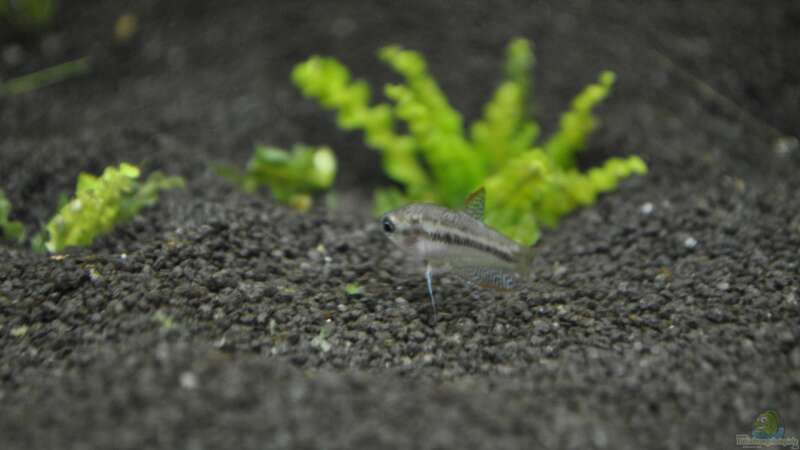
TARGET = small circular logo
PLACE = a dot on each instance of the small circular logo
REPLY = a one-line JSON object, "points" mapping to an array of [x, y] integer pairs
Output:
{"points": [[767, 425]]}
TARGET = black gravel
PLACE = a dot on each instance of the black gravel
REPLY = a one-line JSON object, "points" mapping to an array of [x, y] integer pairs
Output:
{"points": [[665, 316]]}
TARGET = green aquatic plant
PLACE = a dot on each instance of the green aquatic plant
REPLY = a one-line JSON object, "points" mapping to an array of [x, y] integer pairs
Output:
{"points": [[290, 176], [528, 183], [102, 202], [9, 229], [28, 15]]}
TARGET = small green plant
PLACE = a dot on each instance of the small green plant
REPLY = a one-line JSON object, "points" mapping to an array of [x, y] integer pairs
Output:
{"points": [[9, 229], [352, 289], [290, 176], [28, 15], [528, 184], [102, 202]]}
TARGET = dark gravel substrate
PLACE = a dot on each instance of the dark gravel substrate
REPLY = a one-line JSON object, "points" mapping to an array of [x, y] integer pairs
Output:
{"points": [[666, 316]]}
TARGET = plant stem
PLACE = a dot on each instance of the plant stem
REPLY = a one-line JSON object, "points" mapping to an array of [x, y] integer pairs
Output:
{"points": [[44, 77]]}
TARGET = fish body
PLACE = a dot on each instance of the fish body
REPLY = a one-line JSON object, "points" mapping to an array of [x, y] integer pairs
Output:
{"points": [[458, 242]]}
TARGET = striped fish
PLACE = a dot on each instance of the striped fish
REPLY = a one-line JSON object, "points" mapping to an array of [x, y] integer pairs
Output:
{"points": [[458, 242]]}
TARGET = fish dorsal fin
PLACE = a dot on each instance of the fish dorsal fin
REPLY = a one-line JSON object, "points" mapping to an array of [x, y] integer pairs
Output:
{"points": [[473, 204]]}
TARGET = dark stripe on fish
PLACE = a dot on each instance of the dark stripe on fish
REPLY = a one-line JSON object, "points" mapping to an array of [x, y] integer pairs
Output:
{"points": [[452, 239]]}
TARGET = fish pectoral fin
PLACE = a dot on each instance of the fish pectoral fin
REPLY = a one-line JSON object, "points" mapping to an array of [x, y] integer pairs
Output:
{"points": [[429, 280]]}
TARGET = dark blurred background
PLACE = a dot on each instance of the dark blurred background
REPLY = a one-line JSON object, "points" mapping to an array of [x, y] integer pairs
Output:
{"points": [[211, 79]]}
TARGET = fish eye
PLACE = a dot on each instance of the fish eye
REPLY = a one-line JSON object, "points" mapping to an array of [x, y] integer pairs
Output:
{"points": [[388, 225]]}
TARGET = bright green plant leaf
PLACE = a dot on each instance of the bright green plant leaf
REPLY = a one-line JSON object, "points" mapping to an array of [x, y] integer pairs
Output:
{"points": [[577, 123], [436, 127], [291, 176], [329, 81], [102, 202]]}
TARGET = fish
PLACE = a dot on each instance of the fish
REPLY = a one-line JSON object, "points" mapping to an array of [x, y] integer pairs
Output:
{"points": [[458, 242]]}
